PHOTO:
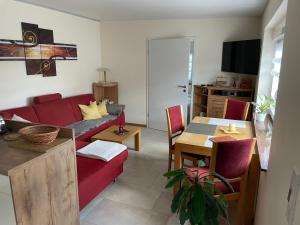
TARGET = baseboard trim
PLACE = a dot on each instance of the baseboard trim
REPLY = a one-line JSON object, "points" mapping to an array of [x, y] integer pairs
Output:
{"points": [[136, 124]]}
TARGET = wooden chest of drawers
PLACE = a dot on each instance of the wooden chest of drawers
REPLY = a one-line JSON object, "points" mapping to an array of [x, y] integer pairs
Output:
{"points": [[210, 100]]}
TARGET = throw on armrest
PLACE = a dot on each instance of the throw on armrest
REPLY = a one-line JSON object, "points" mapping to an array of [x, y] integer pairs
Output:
{"points": [[115, 109]]}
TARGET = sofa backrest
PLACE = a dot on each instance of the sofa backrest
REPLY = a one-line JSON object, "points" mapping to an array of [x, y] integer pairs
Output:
{"points": [[79, 99], [57, 113], [47, 98], [26, 112], [52, 109]]}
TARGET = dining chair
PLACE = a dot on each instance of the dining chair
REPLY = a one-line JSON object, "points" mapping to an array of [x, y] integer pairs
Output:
{"points": [[175, 122], [235, 109], [231, 159]]}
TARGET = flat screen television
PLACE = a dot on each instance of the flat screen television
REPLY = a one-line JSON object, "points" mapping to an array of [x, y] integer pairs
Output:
{"points": [[241, 56]]}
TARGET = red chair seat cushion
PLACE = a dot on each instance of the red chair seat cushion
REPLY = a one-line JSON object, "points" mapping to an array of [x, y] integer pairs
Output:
{"points": [[192, 173]]}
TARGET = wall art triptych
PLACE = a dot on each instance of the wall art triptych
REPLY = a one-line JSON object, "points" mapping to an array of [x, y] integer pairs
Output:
{"points": [[37, 49]]}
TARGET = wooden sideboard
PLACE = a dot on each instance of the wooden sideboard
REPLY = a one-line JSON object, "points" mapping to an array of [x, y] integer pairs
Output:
{"points": [[39, 187], [106, 90], [209, 101]]}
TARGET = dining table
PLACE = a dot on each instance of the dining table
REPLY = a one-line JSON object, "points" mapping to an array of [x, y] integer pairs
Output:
{"points": [[196, 137]]}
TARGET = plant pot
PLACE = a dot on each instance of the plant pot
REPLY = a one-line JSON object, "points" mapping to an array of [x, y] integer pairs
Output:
{"points": [[261, 117]]}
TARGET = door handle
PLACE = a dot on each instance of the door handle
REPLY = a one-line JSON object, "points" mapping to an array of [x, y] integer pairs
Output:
{"points": [[181, 86]]}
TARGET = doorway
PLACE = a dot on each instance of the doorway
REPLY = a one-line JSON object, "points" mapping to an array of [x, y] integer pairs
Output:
{"points": [[170, 64]]}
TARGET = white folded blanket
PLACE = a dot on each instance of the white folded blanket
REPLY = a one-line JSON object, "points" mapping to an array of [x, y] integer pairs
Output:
{"points": [[104, 150]]}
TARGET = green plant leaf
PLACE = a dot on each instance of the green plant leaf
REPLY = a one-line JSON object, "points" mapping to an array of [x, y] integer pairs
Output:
{"points": [[209, 186], [264, 103], [174, 173], [197, 204], [223, 208], [211, 213], [211, 206], [173, 181], [183, 216], [190, 213], [178, 198], [211, 221], [222, 205]]}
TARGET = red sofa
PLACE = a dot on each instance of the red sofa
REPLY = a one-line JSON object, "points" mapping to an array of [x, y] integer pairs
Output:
{"points": [[93, 175]]}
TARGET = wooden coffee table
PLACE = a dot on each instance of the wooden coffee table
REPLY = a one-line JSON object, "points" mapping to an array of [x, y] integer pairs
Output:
{"points": [[109, 135]]}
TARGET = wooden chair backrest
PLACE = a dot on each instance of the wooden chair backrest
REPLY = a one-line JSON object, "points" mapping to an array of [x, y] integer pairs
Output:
{"points": [[213, 159], [171, 134], [245, 111]]}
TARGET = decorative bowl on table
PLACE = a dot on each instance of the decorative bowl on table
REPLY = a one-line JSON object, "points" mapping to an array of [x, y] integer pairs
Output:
{"points": [[39, 134], [121, 133]]}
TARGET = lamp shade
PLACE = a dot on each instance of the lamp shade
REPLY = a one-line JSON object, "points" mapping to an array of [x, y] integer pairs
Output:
{"points": [[103, 69]]}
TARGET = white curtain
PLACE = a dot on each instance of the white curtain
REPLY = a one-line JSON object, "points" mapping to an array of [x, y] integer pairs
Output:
{"points": [[277, 58], [276, 67]]}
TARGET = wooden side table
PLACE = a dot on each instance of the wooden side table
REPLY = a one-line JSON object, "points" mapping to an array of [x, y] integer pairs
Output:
{"points": [[109, 135], [106, 90]]}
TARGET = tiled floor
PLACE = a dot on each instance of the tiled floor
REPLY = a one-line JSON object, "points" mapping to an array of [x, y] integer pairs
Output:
{"points": [[138, 196]]}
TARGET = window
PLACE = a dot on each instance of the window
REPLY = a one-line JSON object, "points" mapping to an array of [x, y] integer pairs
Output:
{"points": [[276, 68]]}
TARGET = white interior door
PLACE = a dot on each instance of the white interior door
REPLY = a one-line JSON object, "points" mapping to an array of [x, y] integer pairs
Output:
{"points": [[168, 78]]}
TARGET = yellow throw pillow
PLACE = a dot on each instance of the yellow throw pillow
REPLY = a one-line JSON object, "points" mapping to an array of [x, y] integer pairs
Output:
{"points": [[90, 112], [102, 109]]}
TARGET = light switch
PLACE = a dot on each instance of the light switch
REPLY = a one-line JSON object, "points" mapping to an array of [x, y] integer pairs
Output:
{"points": [[292, 196]]}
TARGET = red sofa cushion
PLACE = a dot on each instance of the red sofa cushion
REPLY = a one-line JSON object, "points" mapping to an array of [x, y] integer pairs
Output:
{"points": [[95, 175], [5, 115], [79, 99], [81, 144], [25, 112], [47, 98], [57, 113]]}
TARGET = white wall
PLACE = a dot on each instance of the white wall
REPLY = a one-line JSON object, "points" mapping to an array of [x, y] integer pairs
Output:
{"points": [[73, 77], [270, 11], [285, 150], [124, 52]]}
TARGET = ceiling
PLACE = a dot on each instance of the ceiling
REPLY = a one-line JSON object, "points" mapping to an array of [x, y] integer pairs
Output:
{"points": [[104, 10]]}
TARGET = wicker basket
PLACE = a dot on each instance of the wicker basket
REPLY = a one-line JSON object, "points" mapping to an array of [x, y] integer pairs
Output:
{"points": [[39, 134]]}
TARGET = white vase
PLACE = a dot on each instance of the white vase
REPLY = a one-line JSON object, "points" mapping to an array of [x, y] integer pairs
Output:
{"points": [[260, 117]]}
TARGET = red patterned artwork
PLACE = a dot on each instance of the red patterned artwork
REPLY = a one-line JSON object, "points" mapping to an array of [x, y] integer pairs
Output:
{"points": [[37, 49]]}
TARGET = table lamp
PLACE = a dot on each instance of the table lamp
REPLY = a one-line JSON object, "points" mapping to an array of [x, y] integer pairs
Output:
{"points": [[104, 70]]}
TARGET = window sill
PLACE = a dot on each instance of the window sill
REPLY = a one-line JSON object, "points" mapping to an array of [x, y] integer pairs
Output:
{"points": [[263, 133]]}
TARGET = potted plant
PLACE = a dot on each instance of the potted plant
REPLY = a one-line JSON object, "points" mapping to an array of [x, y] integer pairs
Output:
{"points": [[263, 106], [198, 201]]}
